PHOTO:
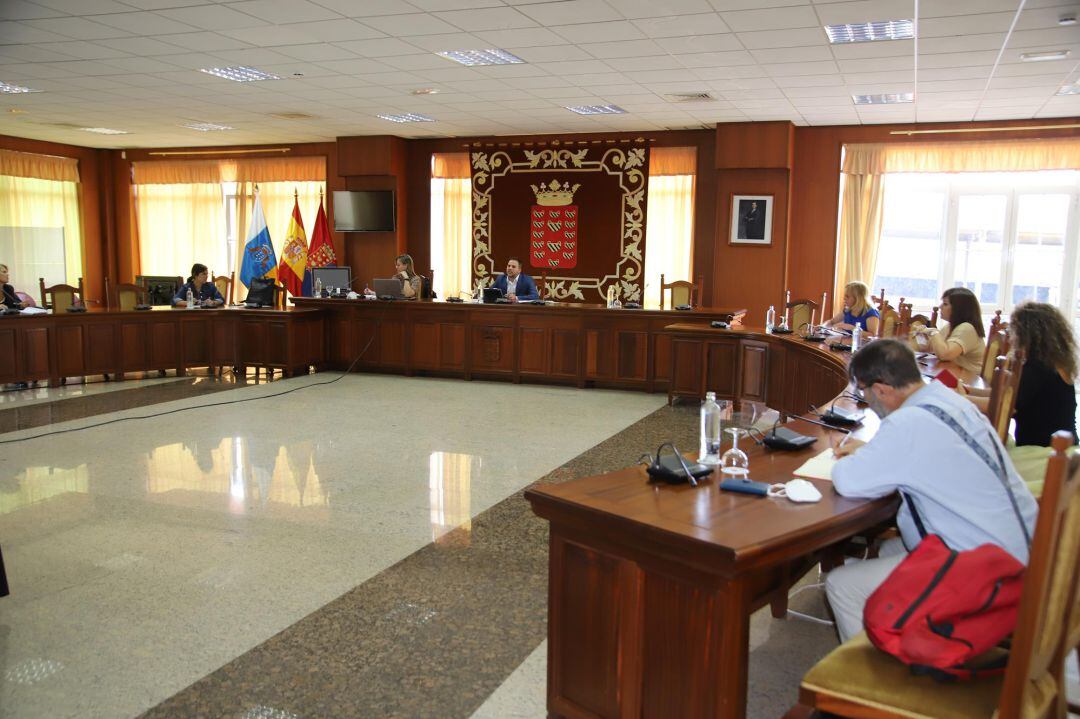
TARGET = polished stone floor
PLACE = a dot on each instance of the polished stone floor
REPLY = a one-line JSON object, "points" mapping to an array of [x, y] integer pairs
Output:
{"points": [[359, 548]]}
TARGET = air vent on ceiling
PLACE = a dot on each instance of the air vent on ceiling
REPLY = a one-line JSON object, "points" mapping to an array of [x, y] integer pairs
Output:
{"points": [[292, 116], [691, 97]]}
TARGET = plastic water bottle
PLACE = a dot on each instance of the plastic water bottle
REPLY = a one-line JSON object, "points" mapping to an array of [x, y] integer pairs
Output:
{"points": [[190, 300], [856, 337], [318, 287], [770, 319], [711, 415]]}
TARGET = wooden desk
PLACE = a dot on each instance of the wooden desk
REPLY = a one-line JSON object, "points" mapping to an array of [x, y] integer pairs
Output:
{"points": [[581, 345], [54, 346], [651, 587]]}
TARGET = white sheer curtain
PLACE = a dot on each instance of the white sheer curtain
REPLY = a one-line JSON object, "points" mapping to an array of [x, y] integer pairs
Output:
{"points": [[180, 225], [669, 226], [451, 224]]}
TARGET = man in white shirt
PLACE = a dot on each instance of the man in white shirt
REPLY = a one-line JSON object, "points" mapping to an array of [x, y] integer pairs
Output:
{"points": [[936, 449]]}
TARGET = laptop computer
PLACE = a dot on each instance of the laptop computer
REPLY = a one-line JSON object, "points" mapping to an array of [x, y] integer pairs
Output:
{"points": [[389, 287]]}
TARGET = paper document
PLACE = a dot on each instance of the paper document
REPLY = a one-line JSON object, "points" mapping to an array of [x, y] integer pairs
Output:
{"points": [[33, 311], [818, 467]]}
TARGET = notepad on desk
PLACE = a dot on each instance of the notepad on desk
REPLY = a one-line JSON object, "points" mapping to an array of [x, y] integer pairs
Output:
{"points": [[818, 467]]}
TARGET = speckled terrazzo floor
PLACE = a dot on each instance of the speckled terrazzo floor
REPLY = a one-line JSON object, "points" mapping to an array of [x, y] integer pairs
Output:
{"points": [[439, 633]]}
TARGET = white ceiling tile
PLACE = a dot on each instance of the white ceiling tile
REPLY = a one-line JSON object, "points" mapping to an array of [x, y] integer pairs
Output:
{"points": [[957, 59], [496, 18], [69, 27], [649, 76], [141, 64], [44, 52], [788, 69], [682, 25], [1052, 82], [574, 67], [600, 32], [700, 43], [334, 30], [144, 23], [1016, 69], [526, 37], [716, 59], [724, 5], [860, 50], [358, 66], [1044, 38], [974, 24], [964, 43], [628, 48], [385, 47], [82, 50], [410, 25], [214, 17], [782, 38], [570, 11], [82, 7], [195, 61], [656, 62], [82, 67], [837, 13], [253, 57], [147, 46], [810, 81], [878, 64], [954, 73], [447, 41], [285, 11], [765, 93], [552, 53], [729, 72], [317, 52], [511, 73], [434, 5], [268, 36], [792, 54], [205, 42], [770, 19], [838, 91], [951, 85], [1003, 113], [634, 9], [940, 8]]}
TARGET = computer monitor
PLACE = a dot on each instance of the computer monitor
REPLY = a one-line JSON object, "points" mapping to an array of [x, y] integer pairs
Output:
{"points": [[332, 277]]}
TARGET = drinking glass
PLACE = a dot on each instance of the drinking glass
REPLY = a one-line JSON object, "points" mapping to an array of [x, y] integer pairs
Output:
{"points": [[734, 464]]}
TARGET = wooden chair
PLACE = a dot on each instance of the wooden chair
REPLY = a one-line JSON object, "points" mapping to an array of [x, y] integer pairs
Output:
{"points": [[59, 297], [997, 344], [124, 296], [858, 680], [890, 323], [801, 312], [224, 284], [997, 323], [681, 292], [1003, 388]]}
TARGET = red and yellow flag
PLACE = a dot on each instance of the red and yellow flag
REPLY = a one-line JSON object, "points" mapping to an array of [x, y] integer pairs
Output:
{"points": [[294, 256]]}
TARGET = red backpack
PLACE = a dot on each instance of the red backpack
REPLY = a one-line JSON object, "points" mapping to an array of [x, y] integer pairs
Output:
{"points": [[941, 608]]}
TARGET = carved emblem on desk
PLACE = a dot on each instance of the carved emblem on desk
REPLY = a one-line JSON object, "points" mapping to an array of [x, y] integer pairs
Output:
{"points": [[491, 347], [554, 226]]}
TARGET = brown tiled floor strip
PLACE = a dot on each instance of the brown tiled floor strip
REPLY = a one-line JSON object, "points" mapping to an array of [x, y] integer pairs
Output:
{"points": [[432, 636], [41, 414]]}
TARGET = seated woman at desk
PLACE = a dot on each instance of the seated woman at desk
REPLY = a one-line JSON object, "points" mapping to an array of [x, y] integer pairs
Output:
{"points": [[10, 299], [1046, 397], [961, 340], [857, 310], [410, 281], [205, 292]]}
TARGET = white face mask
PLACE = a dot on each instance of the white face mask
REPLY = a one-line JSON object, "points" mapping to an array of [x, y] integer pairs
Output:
{"points": [[797, 490]]}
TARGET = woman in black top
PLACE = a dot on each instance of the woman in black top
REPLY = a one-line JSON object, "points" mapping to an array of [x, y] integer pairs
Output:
{"points": [[1046, 398], [10, 299]]}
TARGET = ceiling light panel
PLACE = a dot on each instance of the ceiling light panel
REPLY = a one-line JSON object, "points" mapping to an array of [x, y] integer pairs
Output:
{"points": [[596, 109], [104, 131], [241, 73], [406, 117], [870, 31], [206, 126], [1069, 90], [1044, 56], [8, 89], [895, 98], [490, 56]]}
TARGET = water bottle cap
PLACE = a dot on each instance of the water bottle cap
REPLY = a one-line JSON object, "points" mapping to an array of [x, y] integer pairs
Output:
{"points": [[710, 395]]}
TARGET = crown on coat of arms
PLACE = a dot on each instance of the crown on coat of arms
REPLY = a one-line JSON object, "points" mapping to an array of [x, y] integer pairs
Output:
{"points": [[554, 194]]}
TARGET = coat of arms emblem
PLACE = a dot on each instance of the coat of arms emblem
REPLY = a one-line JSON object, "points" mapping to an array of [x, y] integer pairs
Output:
{"points": [[554, 226]]}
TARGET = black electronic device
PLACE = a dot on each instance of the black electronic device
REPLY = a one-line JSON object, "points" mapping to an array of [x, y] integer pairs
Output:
{"points": [[840, 417], [338, 277], [388, 298], [454, 299], [77, 308], [673, 468], [364, 211], [781, 331], [683, 308], [784, 438], [814, 338], [254, 305], [144, 307], [720, 325], [537, 302], [491, 294], [11, 311], [502, 301], [260, 292], [745, 486], [838, 347], [632, 306]]}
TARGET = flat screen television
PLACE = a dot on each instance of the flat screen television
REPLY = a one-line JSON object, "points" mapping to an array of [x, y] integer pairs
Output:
{"points": [[364, 211]]}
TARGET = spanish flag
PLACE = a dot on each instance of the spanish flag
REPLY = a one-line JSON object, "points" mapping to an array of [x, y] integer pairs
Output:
{"points": [[294, 256]]}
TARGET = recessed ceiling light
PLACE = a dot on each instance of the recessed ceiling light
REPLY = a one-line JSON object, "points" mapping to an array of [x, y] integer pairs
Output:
{"points": [[425, 91], [596, 109], [104, 131], [1069, 90], [406, 117], [1044, 56], [1067, 20], [239, 74], [885, 99], [490, 56], [871, 31], [8, 89], [292, 116], [206, 126]]}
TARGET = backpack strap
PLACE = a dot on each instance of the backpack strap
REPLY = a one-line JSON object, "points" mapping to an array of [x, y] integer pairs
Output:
{"points": [[915, 516], [999, 469]]}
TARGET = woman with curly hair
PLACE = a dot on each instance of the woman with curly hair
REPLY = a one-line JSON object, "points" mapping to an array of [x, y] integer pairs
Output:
{"points": [[1046, 398]]}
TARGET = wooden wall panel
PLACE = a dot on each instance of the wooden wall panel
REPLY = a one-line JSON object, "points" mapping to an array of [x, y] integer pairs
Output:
{"points": [[493, 348], [754, 145], [134, 346], [564, 352], [452, 345], [532, 349], [721, 368], [425, 346], [633, 355], [34, 348], [100, 350], [69, 350], [753, 370], [686, 358], [9, 366]]}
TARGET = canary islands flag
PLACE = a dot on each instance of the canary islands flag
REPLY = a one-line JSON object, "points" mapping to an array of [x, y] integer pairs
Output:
{"points": [[321, 253], [294, 256], [259, 257]]}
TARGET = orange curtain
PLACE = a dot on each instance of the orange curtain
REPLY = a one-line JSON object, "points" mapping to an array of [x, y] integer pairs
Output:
{"points": [[38, 167]]}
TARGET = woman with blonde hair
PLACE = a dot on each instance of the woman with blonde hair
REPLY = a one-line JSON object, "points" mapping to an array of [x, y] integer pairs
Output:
{"points": [[857, 310], [410, 281]]}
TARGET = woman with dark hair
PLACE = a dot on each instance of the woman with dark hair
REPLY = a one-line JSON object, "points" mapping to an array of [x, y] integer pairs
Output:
{"points": [[410, 281], [1046, 398], [961, 341], [204, 292]]}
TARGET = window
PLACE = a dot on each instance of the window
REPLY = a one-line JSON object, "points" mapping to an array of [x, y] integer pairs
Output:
{"points": [[669, 220], [40, 232], [451, 224], [1008, 237]]}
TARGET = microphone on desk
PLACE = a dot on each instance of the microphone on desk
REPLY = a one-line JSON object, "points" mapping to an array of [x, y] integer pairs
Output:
{"points": [[819, 423]]}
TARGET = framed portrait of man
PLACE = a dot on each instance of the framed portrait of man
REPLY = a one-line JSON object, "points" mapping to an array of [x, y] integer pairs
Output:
{"points": [[751, 219]]}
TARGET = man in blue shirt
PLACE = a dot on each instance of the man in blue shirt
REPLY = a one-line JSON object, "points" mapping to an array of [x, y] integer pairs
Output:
{"points": [[515, 286]]}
